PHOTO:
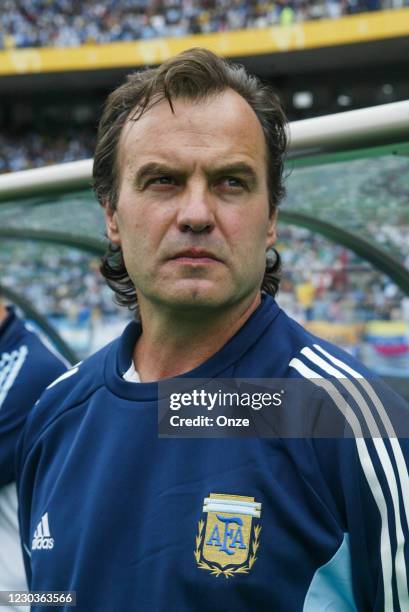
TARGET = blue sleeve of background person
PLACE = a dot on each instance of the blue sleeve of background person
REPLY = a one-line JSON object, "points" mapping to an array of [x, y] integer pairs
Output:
{"points": [[20, 387], [61, 395]]}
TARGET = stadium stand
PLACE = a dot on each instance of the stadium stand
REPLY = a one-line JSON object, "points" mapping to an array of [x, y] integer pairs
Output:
{"points": [[40, 23], [33, 149], [309, 49]]}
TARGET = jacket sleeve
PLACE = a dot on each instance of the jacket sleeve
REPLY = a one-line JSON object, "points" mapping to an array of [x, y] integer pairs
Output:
{"points": [[22, 380], [368, 473]]}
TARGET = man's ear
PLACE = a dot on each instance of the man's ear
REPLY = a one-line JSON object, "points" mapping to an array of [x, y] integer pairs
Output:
{"points": [[111, 224], [272, 230]]}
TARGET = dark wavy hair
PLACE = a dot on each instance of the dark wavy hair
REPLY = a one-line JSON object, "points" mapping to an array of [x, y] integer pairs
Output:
{"points": [[195, 75]]}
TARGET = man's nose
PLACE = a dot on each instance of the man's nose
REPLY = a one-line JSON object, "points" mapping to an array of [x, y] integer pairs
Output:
{"points": [[195, 212]]}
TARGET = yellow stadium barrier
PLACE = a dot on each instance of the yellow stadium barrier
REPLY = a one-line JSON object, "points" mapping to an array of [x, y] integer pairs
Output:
{"points": [[340, 333]]}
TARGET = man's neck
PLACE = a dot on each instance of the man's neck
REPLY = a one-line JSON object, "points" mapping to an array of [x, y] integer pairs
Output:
{"points": [[172, 345]]}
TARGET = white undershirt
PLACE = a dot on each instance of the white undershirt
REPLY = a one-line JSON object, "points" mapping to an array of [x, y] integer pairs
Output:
{"points": [[131, 375]]}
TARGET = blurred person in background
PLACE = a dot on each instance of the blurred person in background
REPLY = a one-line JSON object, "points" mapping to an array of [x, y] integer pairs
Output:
{"points": [[188, 168], [27, 366], [305, 293]]}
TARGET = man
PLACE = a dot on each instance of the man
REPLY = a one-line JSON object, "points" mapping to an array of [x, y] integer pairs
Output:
{"points": [[27, 366], [188, 167]]}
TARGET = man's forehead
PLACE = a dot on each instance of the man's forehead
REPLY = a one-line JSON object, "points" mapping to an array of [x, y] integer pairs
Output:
{"points": [[220, 125]]}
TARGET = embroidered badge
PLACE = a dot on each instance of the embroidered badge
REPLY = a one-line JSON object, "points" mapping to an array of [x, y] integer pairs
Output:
{"points": [[228, 538]]}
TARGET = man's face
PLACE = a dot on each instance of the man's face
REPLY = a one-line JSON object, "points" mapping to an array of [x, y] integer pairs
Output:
{"points": [[192, 215]]}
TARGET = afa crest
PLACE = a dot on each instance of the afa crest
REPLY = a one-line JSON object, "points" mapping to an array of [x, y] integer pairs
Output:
{"points": [[228, 537]]}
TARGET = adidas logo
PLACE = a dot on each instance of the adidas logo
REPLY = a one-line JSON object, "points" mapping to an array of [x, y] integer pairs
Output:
{"points": [[42, 537]]}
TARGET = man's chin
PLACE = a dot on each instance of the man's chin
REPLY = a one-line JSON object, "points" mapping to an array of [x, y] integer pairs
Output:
{"points": [[197, 298]]}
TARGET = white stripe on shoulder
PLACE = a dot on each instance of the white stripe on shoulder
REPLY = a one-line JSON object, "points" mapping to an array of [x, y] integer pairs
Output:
{"points": [[48, 345], [350, 386], [396, 447], [366, 386], [10, 366], [367, 468], [66, 374]]}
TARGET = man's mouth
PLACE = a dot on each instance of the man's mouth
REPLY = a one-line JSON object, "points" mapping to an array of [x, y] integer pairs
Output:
{"points": [[195, 256]]}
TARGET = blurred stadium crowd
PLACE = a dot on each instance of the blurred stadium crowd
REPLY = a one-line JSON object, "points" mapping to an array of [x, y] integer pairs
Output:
{"points": [[56, 280], [33, 149], [65, 23], [331, 283]]}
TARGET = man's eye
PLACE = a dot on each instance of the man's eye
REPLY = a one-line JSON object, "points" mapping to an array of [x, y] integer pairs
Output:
{"points": [[232, 184], [161, 180]]}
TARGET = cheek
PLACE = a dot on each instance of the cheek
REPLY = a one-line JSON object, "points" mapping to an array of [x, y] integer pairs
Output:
{"points": [[235, 232], [249, 234], [141, 238], [131, 236]]}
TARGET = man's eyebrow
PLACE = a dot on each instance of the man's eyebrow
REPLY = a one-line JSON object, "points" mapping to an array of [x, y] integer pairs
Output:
{"points": [[239, 168], [155, 168]]}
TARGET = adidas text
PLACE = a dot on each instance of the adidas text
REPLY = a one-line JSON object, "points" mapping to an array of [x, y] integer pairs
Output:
{"points": [[42, 542]]}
